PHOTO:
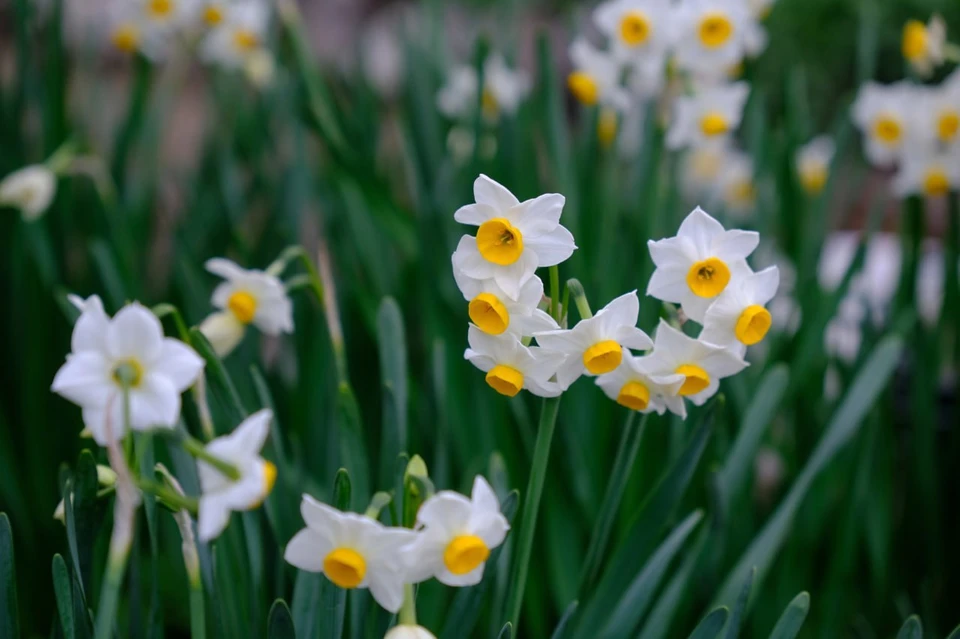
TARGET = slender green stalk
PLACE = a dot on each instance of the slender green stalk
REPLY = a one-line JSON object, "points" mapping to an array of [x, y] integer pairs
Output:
{"points": [[197, 449], [950, 312], [170, 497], [579, 298], [310, 280], [408, 612], [911, 234]]}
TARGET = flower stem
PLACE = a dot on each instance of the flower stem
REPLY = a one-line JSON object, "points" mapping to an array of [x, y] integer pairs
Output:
{"points": [[555, 293], [579, 298], [408, 612], [170, 497], [528, 523], [197, 449]]}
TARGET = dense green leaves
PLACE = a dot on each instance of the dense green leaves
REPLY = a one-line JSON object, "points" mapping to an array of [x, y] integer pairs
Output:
{"points": [[280, 622], [10, 617], [788, 626]]}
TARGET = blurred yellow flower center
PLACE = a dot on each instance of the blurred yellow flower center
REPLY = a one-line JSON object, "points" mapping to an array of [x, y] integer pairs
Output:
{"points": [[465, 553], [813, 178], [505, 380], [489, 314], [345, 567], [936, 182], [696, 380], [499, 241], [741, 193], [713, 123], [887, 129], [914, 43], [715, 29], [243, 305], [583, 87], [245, 40], [607, 127], [160, 8], [212, 15], [705, 163], [603, 357], [129, 372], [269, 479], [753, 324], [126, 38], [489, 104], [634, 395], [635, 28], [948, 125], [708, 278]]}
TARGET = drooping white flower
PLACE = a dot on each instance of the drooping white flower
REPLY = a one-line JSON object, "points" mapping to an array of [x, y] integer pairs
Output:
{"points": [[738, 317], [514, 238], [221, 495], [636, 27], [246, 297], [494, 312], [882, 113], [352, 551], [939, 122], [596, 77], [711, 36], [703, 365], [596, 345], [455, 536], [712, 112], [502, 92], [735, 184], [928, 172], [130, 350], [631, 385], [238, 31], [813, 163], [408, 631], [30, 189], [697, 264], [923, 45], [510, 366]]}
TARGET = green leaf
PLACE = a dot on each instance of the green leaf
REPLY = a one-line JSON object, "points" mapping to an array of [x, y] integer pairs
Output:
{"points": [[506, 632], [657, 625], [280, 623], [63, 590], [565, 620], [219, 381], [955, 634], [711, 625], [9, 614], [393, 367], [911, 629], [736, 619], [792, 618], [83, 516]]}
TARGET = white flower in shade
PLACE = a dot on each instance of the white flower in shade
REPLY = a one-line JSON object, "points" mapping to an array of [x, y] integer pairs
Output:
{"points": [[703, 365], [928, 172], [148, 26], [514, 238], [130, 350], [494, 312], [711, 36], [754, 38], [702, 165], [510, 366], [697, 264], [408, 631], [636, 27], [596, 77], [352, 551], [883, 113], [646, 78], [712, 112], [455, 536], [739, 318], [940, 120], [221, 495], [239, 32], [760, 9], [813, 163], [735, 184], [458, 96], [212, 13], [596, 345], [503, 90], [30, 189], [246, 297], [632, 386], [924, 45]]}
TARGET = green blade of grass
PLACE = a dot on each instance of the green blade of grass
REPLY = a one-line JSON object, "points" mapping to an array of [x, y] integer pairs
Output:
{"points": [[788, 626]]}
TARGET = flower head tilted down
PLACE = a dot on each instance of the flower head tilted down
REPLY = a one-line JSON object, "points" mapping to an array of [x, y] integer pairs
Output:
{"points": [[511, 367], [923, 45], [493, 312], [739, 318], [30, 189], [813, 163], [632, 385]]}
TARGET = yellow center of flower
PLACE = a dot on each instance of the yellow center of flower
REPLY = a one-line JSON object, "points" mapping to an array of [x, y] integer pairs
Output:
{"points": [[583, 87], [499, 241], [715, 29], [212, 15], [489, 314], [936, 182], [607, 127], [243, 305], [603, 357], [269, 479], [159, 8], [634, 396], [129, 372], [345, 567], [813, 178], [713, 123], [464, 554], [948, 125], [708, 278], [696, 380], [245, 40], [489, 104], [753, 324], [635, 28], [887, 129], [914, 44], [741, 193], [126, 38], [505, 380]]}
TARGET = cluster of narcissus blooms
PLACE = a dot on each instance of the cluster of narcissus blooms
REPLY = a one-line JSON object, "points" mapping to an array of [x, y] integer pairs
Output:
{"points": [[915, 127], [703, 269]]}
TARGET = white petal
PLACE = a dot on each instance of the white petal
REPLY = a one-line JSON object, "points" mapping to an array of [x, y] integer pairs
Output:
{"points": [[387, 589], [551, 248], [570, 370], [493, 194], [472, 578], [307, 550], [445, 512], [135, 333], [538, 216], [491, 527], [621, 311], [633, 337], [701, 228], [736, 244], [475, 214], [252, 432], [537, 322], [562, 341], [511, 278], [154, 403], [90, 331], [767, 283], [225, 268], [98, 418], [179, 363], [467, 258], [213, 516], [224, 331], [483, 496], [84, 379], [668, 284]]}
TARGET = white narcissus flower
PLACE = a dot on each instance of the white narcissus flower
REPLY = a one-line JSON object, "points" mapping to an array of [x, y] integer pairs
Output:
{"points": [[596, 77], [246, 297], [130, 350], [711, 113], [596, 345], [30, 189], [409, 631], [503, 90], [735, 184], [352, 551], [924, 45], [455, 536], [703, 365], [697, 264], [882, 113], [148, 26], [646, 78], [221, 495], [738, 317], [813, 163], [928, 172], [494, 312], [711, 36], [514, 238], [239, 32], [702, 165], [940, 122], [636, 27], [630, 385], [510, 366]]}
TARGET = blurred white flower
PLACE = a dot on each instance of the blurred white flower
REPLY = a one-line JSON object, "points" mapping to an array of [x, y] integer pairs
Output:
{"points": [[260, 68], [128, 350], [882, 113], [636, 27], [768, 472], [455, 536], [923, 45], [927, 172], [239, 33], [842, 339], [30, 189], [702, 165], [632, 386], [148, 26], [711, 36], [940, 121], [712, 112], [221, 495], [510, 366], [735, 184], [503, 90], [646, 77], [930, 283], [494, 312], [407, 631], [760, 9], [352, 551], [596, 345], [813, 163], [738, 318], [596, 77]]}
